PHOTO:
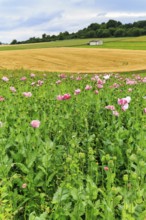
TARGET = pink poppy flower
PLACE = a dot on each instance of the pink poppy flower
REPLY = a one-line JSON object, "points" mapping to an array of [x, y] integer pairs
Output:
{"points": [[4, 78], [60, 97], [128, 99], [35, 123], [130, 82], [110, 107], [78, 78], [96, 77], [32, 75], [99, 86], [40, 83], [33, 83], [106, 168], [116, 113], [125, 107], [24, 185], [66, 96], [93, 78], [96, 92], [63, 76], [106, 77], [144, 80], [58, 81], [77, 91], [144, 110], [23, 78], [2, 99], [88, 87], [129, 90], [12, 89], [124, 101], [115, 85], [63, 97], [137, 77], [27, 94]]}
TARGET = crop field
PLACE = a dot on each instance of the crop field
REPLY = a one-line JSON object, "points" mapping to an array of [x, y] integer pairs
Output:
{"points": [[74, 60], [72, 146]]}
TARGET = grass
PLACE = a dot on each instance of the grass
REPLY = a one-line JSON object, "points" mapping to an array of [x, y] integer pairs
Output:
{"points": [[132, 43], [53, 44], [82, 162], [128, 45]]}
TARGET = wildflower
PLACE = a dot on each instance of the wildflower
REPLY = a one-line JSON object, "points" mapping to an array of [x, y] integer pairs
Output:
{"points": [[129, 90], [144, 110], [66, 96], [12, 89], [124, 101], [144, 80], [78, 78], [40, 82], [106, 77], [125, 107], [63, 97], [2, 99], [35, 123], [115, 85], [116, 113], [24, 185], [59, 97], [33, 83], [32, 75], [63, 76], [27, 94], [77, 91], [23, 78], [93, 78], [96, 92], [130, 82], [106, 168], [4, 78], [110, 107], [99, 86], [88, 87], [58, 81]]}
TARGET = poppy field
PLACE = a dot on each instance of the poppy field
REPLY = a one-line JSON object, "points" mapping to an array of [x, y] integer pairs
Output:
{"points": [[72, 146]]}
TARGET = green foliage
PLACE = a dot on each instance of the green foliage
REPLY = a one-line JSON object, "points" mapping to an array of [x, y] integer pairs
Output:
{"points": [[82, 162], [94, 30]]}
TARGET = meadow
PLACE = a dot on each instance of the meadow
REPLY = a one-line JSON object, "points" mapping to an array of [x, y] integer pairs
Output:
{"points": [[129, 43], [72, 146]]}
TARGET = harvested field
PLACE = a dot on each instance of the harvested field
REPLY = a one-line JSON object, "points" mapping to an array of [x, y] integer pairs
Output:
{"points": [[74, 60]]}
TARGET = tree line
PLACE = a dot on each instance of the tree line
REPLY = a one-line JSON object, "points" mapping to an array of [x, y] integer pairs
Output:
{"points": [[112, 28]]}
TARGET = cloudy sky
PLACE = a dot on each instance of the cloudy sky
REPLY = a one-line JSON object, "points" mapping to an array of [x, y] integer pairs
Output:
{"points": [[21, 19]]}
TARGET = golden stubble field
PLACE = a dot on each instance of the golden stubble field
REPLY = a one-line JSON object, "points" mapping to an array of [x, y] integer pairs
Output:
{"points": [[74, 60]]}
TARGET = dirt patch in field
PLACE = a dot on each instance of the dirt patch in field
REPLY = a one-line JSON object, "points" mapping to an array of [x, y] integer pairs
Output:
{"points": [[74, 60]]}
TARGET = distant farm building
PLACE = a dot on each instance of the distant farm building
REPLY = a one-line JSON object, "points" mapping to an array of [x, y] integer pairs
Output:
{"points": [[95, 42]]}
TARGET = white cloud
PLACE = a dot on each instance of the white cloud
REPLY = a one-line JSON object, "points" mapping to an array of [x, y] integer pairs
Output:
{"points": [[23, 19], [124, 14]]}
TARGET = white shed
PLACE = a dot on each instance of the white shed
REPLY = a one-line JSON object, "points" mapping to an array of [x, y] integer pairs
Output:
{"points": [[95, 42]]}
